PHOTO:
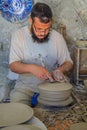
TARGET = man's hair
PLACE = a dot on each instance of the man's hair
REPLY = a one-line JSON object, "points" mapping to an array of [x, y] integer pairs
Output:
{"points": [[42, 11]]}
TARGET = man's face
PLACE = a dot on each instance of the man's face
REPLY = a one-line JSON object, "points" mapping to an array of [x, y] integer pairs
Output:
{"points": [[40, 31]]}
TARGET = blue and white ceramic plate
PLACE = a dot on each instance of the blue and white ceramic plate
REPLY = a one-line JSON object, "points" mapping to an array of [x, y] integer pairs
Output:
{"points": [[16, 10]]}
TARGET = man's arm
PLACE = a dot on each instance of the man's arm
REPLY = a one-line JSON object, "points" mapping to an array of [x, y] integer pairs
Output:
{"points": [[60, 72], [38, 71], [65, 67], [19, 67]]}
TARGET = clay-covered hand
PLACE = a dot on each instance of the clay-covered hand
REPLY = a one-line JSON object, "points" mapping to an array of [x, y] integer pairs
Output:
{"points": [[58, 75], [40, 72]]}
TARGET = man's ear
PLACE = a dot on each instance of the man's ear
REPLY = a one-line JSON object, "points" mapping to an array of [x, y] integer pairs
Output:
{"points": [[30, 20]]}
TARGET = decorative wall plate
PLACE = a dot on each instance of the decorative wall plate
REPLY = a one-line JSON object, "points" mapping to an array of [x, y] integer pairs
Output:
{"points": [[16, 10]]}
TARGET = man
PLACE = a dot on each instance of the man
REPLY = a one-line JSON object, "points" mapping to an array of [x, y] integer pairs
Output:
{"points": [[38, 53]]}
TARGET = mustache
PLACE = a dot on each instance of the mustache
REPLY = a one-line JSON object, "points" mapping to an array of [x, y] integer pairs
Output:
{"points": [[36, 39]]}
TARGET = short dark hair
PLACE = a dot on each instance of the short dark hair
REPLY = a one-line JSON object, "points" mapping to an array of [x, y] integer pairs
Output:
{"points": [[42, 11]]}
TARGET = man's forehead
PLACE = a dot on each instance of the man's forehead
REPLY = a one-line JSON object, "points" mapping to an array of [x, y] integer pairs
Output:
{"points": [[39, 24]]}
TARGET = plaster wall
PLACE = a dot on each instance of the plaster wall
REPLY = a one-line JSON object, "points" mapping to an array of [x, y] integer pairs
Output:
{"points": [[70, 13]]}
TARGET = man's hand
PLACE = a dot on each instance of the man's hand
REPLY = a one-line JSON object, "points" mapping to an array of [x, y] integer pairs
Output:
{"points": [[58, 75], [40, 72]]}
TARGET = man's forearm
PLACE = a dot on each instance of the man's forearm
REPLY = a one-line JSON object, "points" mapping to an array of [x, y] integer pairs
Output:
{"points": [[66, 67], [38, 71], [20, 68]]}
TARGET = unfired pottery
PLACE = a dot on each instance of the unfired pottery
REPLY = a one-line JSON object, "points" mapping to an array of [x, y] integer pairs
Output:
{"points": [[22, 127], [61, 103], [79, 126], [55, 86], [85, 84], [14, 113], [55, 94]]}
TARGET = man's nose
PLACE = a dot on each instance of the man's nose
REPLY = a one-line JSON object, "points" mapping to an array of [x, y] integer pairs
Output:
{"points": [[43, 32]]}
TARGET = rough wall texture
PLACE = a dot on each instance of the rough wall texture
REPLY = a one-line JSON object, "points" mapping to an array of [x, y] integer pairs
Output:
{"points": [[71, 13]]}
